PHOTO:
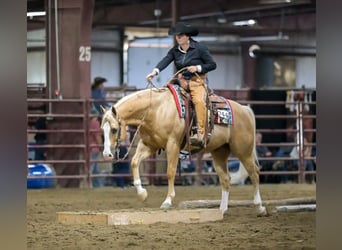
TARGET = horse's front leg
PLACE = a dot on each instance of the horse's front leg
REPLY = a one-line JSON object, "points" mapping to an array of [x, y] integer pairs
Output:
{"points": [[172, 161], [141, 153]]}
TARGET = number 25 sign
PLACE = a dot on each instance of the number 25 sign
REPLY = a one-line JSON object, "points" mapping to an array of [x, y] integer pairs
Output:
{"points": [[85, 54]]}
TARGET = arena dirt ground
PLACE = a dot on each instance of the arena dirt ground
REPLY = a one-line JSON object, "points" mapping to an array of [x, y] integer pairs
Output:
{"points": [[240, 228]]}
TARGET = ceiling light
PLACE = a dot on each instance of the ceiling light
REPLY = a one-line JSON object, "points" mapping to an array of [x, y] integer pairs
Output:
{"points": [[264, 38], [251, 50], [249, 22], [274, 1], [221, 20], [157, 12], [35, 13]]}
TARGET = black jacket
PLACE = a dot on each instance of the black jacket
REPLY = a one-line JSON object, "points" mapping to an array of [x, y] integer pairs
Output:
{"points": [[197, 54]]}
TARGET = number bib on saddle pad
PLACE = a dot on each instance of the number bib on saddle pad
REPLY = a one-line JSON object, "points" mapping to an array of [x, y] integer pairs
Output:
{"points": [[223, 116], [222, 110]]}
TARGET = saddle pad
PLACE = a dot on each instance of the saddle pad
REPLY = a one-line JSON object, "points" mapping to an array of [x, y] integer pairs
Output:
{"points": [[177, 96]]}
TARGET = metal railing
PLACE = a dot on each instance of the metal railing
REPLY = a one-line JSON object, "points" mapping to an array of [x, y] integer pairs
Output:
{"points": [[83, 148]]}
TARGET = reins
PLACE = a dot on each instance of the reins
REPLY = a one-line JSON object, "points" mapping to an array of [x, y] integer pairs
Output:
{"points": [[150, 83], [138, 128], [184, 68]]}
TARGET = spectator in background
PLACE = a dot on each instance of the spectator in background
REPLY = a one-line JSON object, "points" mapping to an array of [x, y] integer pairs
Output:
{"points": [[233, 165], [95, 139], [121, 167], [40, 138], [208, 167], [284, 151], [98, 93], [187, 166], [263, 151], [308, 163]]}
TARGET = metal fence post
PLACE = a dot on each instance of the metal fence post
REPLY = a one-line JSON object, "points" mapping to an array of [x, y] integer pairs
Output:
{"points": [[301, 165]]}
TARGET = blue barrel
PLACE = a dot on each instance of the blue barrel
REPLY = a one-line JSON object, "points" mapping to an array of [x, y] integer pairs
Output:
{"points": [[40, 170]]}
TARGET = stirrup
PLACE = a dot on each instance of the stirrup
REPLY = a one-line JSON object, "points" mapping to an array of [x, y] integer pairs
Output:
{"points": [[195, 141]]}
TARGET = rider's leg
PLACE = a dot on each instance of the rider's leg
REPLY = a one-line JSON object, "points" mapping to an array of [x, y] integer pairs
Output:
{"points": [[198, 96]]}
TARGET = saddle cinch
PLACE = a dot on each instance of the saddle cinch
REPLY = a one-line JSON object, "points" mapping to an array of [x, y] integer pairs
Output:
{"points": [[219, 111]]}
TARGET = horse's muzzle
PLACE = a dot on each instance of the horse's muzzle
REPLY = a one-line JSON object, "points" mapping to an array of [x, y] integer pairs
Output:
{"points": [[107, 155]]}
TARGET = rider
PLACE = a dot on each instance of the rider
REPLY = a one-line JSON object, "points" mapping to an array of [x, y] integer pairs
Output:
{"points": [[197, 61]]}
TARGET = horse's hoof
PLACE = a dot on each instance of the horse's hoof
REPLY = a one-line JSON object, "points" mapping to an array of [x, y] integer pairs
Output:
{"points": [[224, 211], [166, 206], [262, 211], [143, 195]]}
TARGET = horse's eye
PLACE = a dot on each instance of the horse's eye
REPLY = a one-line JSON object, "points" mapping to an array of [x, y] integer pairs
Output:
{"points": [[114, 130]]}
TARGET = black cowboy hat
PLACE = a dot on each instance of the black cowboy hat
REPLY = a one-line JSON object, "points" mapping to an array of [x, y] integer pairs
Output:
{"points": [[100, 79], [97, 81], [183, 28]]}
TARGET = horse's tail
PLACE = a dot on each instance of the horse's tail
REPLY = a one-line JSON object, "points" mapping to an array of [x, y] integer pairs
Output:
{"points": [[252, 115]]}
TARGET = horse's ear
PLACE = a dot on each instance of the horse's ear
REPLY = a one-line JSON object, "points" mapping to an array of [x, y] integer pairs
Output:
{"points": [[102, 109], [113, 111]]}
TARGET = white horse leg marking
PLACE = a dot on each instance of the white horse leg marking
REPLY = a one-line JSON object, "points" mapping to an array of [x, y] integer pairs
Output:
{"points": [[253, 173], [168, 201], [142, 193], [258, 202], [141, 153], [107, 154], [224, 201], [220, 158], [257, 198], [172, 151]]}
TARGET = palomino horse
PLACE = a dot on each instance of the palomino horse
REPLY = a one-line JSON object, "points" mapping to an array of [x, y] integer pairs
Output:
{"points": [[160, 127]]}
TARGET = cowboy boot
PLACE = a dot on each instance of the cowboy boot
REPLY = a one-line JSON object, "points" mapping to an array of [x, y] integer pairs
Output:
{"points": [[198, 139]]}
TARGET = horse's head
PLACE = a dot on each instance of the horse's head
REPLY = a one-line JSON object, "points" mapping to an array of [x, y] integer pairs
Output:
{"points": [[114, 131]]}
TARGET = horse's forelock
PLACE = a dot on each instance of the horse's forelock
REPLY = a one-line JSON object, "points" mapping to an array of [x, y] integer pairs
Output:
{"points": [[106, 117], [109, 117]]}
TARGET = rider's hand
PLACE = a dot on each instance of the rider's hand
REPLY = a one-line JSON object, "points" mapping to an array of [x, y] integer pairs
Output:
{"points": [[150, 76], [192, 69]]}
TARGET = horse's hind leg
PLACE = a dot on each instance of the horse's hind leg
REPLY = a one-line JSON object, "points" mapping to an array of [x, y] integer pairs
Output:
{"points": [[220, 158], [253, 172], [141, 153]]}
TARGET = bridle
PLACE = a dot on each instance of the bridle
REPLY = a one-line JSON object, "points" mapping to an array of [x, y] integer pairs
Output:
{"points": [[118, 140]]}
